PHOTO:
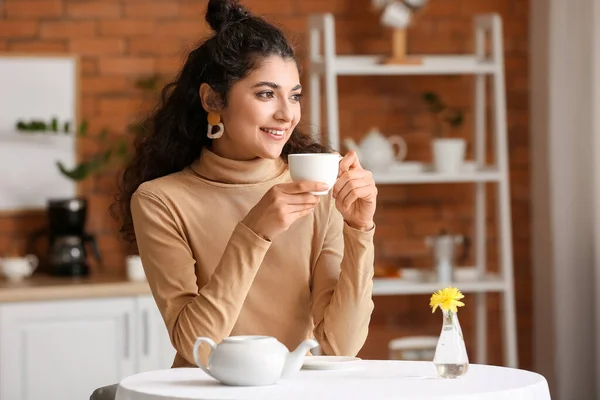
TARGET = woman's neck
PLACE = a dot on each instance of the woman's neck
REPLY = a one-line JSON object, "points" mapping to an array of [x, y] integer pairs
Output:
{"points": [[214, 167], [223, 149]]}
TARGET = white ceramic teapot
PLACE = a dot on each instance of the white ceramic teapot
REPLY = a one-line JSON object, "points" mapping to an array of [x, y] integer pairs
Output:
{"points": [[376, 151], [251, 360]]}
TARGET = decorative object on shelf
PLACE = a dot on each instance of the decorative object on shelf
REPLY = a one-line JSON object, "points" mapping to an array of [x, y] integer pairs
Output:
{"points": [[448, 153], [376, 151], [450, 359], [443, 246], [397, 14]]}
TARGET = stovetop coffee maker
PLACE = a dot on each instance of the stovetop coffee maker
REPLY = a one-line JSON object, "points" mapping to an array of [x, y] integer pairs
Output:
{"points": [[443, 246], [67, 239]]}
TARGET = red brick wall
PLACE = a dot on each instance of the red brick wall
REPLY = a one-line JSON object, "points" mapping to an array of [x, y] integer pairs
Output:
{"points": [[119, 41]]}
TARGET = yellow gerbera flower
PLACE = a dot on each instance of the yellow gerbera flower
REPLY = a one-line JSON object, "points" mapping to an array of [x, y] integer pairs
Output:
{"points": [[447, 299]]}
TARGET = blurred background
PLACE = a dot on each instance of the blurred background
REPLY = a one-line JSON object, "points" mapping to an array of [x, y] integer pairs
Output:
{"points": [[77, 76]]}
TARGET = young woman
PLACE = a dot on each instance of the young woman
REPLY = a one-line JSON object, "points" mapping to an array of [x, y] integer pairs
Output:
{"points": [[230, 245]]}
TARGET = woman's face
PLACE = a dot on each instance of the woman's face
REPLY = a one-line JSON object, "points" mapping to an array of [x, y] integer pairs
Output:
{"points": [[262, 111]]}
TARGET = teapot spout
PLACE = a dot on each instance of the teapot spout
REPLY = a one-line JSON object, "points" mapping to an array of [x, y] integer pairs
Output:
{"points": [[350, 144], [294, 359]]}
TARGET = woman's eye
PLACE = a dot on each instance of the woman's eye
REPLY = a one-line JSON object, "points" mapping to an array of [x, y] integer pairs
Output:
{"points": [[266, 95], [297, 96]]}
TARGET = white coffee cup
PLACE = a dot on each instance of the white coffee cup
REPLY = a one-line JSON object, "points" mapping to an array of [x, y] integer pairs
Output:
{"points": [[15, 269], [135, 269], [315, 167]]}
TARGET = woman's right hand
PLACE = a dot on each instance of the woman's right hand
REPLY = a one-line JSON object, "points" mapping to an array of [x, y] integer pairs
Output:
{"points": [[281, 206]]}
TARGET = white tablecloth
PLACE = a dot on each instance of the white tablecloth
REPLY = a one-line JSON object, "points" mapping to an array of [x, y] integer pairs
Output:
{"points": [[371, 380]]}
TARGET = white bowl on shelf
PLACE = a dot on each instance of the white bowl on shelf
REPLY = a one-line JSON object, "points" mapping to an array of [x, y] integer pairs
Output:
{"points": [[465, 274], [415, 167], [412, 275], [408, 167]]}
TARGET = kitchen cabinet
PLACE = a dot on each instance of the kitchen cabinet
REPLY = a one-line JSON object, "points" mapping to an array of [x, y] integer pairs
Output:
{"points": [[64, 349], [154, 348]]}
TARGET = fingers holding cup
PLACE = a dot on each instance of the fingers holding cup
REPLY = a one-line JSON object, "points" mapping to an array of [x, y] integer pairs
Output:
{"points": [[348, 162]]}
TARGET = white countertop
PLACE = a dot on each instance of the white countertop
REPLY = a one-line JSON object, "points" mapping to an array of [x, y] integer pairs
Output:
{"points": [[44, 287]]}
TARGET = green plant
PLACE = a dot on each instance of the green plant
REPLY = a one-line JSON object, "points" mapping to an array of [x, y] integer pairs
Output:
{"points": [[443, 116], [84, 168], [117, 149]]}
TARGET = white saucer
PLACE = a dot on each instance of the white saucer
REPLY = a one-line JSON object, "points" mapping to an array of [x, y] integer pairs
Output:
{"points": [[330, 362]]}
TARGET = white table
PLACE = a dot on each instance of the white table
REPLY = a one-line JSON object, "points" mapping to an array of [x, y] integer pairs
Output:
{"points": [[371, 380]]}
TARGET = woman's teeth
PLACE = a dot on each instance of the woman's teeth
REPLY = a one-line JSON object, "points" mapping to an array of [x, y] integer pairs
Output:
{"points": [[273, 132]]}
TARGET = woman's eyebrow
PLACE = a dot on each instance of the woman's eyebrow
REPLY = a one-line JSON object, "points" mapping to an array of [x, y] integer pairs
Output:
{"points": [[273, 85]]}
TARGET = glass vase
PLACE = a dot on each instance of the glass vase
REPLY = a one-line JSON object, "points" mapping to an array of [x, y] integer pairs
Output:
{"points": [[451, 360]]}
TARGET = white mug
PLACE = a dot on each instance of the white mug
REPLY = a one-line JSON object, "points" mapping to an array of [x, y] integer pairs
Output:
{"points": [[315, 167], [135, 269], [15, 269]]}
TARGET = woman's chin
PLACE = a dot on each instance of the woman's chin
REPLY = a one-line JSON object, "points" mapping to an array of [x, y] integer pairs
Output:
{"points": [[271, 152]]}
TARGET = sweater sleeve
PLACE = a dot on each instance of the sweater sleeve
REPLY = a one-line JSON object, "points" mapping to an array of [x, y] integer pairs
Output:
{"points": [[190, 311], [342, 285]]}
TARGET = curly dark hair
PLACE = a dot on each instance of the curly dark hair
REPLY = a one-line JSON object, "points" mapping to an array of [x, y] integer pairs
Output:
{"points": [[174, 134]]}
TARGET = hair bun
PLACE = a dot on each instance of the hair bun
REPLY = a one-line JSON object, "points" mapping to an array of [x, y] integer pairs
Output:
{"points": [[221, 12]]}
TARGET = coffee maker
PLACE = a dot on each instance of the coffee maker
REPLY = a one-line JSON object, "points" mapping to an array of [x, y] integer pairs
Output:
{"points": [[444, 246], [67, 239]]}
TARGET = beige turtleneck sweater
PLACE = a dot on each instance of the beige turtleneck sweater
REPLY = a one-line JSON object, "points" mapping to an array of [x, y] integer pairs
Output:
{"points": [[212, 276]]}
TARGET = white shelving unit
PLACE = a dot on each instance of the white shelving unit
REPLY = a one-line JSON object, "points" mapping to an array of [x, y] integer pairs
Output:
{"points": [[392, 286], [325, 65]]}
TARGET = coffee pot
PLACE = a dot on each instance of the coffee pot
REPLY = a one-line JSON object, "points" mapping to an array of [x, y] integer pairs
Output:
{"points": [[68, 254], [444, 246], [251, 360]]}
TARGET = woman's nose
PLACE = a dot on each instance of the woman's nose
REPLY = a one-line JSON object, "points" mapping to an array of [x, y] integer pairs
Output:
{"points": [[284, 113]]}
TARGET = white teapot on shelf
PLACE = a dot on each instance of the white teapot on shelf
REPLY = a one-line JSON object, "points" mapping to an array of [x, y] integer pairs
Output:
{"points": [[376, 151], [251, 360]]}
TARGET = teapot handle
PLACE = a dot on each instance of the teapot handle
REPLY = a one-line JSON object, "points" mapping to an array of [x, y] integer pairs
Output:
{"points": [[199, 341], [400, 155], [33, 261]]}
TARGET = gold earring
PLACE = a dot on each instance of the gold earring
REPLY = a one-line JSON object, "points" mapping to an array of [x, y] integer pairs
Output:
{"points": [[214, 121]]}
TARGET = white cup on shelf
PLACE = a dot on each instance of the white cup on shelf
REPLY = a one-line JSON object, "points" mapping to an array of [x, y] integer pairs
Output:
{"points": [[448, 155], [135, 269], [16, 269]]}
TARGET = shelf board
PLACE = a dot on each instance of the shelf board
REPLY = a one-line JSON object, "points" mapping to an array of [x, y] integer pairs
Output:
{"points": [[431, 65], [38, 139], [397, 286], [484, 175]]}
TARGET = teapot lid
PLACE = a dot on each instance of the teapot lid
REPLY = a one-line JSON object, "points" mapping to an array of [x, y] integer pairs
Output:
{"points": [[247, 338], [374, 130]]}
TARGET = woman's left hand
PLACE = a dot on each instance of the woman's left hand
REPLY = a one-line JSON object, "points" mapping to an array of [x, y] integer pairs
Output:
{"points": [[355, 193]]}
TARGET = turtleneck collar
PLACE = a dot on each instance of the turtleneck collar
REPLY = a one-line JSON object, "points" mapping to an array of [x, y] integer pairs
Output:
{"points": [[213, 167]]}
